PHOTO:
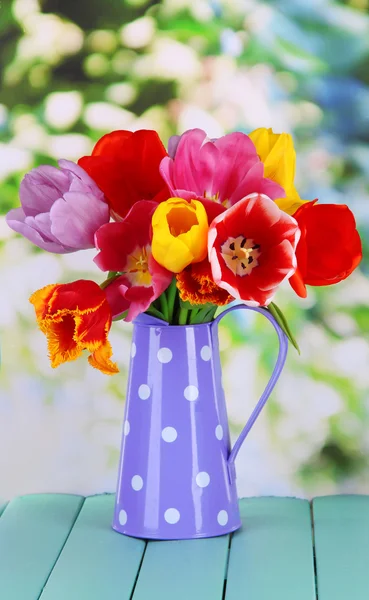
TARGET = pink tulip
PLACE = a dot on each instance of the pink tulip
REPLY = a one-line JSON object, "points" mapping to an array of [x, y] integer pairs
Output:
{"points": [[125, 247], [220, 172]]}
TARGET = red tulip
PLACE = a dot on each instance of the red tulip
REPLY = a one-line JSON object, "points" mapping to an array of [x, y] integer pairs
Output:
{"points": [[329, 248], [125, 166], [252, 249]]}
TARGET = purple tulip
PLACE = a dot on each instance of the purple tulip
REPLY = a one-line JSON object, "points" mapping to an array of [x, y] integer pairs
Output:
{"points": [[61, 208]]}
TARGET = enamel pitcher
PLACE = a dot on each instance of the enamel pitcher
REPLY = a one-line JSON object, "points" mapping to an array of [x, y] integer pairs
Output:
{"points": [[177, 477]]}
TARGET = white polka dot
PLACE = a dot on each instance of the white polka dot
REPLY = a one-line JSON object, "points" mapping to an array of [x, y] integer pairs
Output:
{"points": [[222, 517], [144, 391], [126, 428], [205, 353], [123, 517], [137, 483], [169, 434], [203, 479], [219, 432], [133, 350], [165, 355], [191, 393], [172, 516]]}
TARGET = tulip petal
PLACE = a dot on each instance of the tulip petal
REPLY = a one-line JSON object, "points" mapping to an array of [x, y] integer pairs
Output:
{"points": [[82, 297], [225, 170], [68, 218], [32, 228], [40, 300], [277, 152], [115, 294], [45, 192], [112, 144], [126, 246], [60, 341], [330, 246], [79, 179], [173, 145], [237, 156], [116, 241], [297, 284], [266, 256], [40, 188], [185, 166], [180, 231], [100, 359], [75, 317], [125, 166]]}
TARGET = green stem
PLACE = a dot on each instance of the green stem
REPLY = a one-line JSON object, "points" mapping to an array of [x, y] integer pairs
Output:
{"points": [[204, 315], [210, 315], [171, 298], [164, 306], [183, 313], [109, 280], [193, 314]]}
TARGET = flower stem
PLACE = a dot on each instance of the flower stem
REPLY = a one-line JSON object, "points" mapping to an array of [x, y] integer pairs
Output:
{"points": [[171, 298], [164, 306], [193, 314], [183, 313], [204, 315], [109, 280]]}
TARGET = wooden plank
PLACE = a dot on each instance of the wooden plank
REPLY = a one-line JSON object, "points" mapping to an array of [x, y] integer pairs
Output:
{"points": [[271, 557], [341, 530], [96, 563], [183, 570], [33, 530], [2, 507]]}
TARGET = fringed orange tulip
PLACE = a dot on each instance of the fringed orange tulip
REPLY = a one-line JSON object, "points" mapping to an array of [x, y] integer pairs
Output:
{"points": [[196, 285], [75, 317]]}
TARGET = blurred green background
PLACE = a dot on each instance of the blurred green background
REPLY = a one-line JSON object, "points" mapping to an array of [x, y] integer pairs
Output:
{"points": [[72, 71]]}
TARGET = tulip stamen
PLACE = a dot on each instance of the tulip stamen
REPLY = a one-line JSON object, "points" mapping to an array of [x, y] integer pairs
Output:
{"points": [[241, 255], [137, 269]]}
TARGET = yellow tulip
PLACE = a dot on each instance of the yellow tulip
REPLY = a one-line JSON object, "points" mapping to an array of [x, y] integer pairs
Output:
{"points": [[277, 153], [180, 233]]}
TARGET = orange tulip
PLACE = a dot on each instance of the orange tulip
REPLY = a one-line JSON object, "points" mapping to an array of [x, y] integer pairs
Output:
{"points": [[75, 317], [196, 285]]}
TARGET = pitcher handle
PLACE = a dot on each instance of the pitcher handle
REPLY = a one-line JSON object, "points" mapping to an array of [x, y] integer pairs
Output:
{"points": [[282, 355]]}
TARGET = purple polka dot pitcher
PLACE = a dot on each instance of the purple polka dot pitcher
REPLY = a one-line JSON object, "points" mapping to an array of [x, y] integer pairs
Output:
{"points": [[177, 477]]}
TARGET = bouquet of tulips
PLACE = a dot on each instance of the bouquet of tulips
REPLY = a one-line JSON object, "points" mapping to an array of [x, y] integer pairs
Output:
{"points": [[178, 233]]}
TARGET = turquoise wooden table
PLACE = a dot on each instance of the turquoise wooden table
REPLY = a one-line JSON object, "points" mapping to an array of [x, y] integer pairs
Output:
{"points": [[61, 547]]}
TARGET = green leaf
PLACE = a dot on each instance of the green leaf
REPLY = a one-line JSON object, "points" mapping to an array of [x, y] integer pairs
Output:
{"points": [[154, 312], [276, 312]]}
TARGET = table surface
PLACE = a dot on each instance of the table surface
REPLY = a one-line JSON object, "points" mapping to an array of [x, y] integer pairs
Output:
{"points": [[61, 547]]}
